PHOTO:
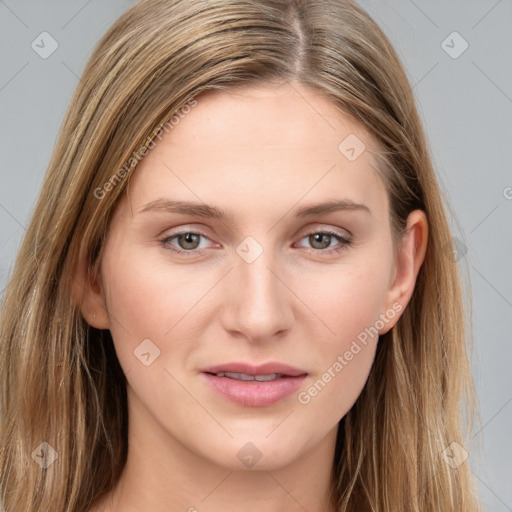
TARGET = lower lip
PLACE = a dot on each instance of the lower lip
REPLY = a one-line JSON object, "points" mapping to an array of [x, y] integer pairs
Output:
{"points": [[252, 393]]}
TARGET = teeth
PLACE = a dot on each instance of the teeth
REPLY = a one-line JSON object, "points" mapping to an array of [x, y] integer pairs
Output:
{"points": [[268, 377], [244, 376]]}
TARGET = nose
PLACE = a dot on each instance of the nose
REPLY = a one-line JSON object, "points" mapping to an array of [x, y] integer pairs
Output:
{"points": [[259, 303]]}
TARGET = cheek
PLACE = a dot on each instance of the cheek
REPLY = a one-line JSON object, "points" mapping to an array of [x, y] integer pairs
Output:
{"points": [[347, 298], [350, 303], [147, 299], [344, 359]]}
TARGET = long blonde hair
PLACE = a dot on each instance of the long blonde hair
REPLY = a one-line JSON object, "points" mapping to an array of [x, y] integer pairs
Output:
{"points": [[61, 381]]}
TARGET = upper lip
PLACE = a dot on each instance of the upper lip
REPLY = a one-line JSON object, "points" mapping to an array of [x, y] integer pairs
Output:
{"points": [[251, 369]]}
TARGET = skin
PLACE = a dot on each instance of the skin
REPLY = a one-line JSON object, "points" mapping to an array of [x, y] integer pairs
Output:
{"points": [[260, 153]]}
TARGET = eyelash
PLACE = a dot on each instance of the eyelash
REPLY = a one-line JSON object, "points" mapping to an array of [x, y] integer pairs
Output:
{"points": [[344, 242]]}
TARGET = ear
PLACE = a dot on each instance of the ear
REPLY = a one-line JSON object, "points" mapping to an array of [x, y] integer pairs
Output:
{"points": [[88, 294], [409, 258]]}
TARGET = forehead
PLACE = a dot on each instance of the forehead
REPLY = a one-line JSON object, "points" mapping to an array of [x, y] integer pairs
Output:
{"points": [[265, 143], [270, 116]]}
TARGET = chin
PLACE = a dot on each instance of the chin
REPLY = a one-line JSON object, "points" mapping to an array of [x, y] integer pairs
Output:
{"points": [[258, 455]]}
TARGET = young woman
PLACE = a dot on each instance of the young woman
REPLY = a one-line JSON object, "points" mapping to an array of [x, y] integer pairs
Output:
{"points": [[236, 290]]}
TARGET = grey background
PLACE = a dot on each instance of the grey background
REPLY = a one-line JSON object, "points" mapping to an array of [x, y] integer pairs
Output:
{"points": [[466, 105]]}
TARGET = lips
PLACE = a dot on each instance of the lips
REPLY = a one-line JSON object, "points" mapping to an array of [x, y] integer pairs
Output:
{"points": [[254, 386], [250, 369]]}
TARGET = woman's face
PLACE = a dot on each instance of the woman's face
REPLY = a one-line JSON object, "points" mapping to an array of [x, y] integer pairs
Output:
{"points": [[275, 279]]}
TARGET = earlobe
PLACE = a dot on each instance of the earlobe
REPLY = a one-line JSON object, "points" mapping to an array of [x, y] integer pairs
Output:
{"points": [[88, 295], [410, 257]]}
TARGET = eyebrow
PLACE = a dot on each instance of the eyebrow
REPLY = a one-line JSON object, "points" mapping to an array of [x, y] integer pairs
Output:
{"points": [[207, 211]]}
